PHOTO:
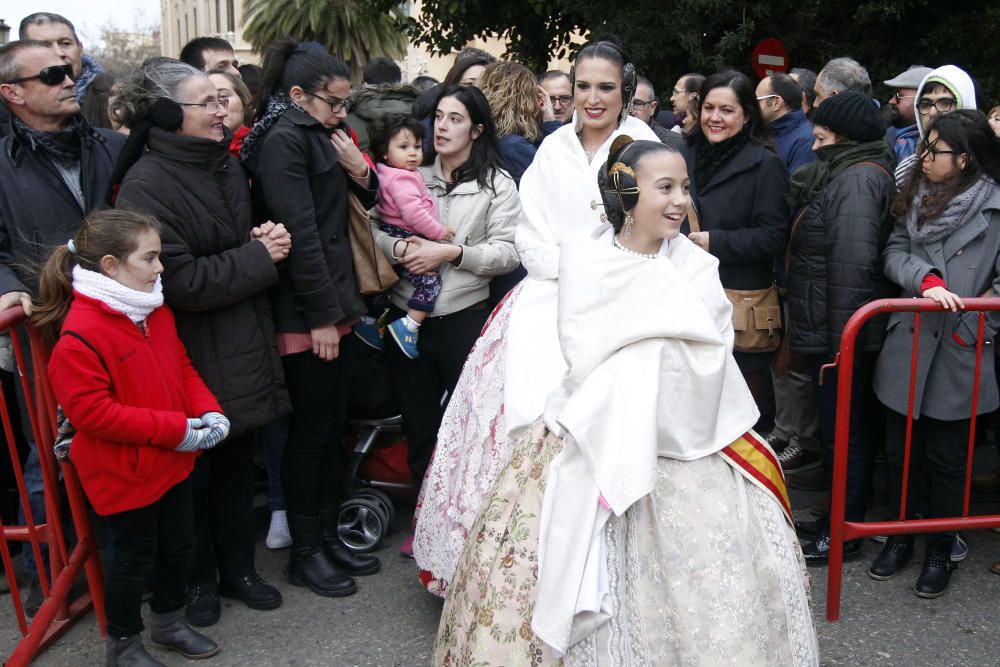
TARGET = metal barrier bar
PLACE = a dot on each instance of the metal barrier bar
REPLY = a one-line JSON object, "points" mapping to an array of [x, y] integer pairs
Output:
{"points": [[57, 612], [841, 530]]}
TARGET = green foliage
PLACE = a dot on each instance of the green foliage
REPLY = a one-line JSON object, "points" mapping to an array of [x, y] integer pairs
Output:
{"points": [[353, 30], [669, 38]]}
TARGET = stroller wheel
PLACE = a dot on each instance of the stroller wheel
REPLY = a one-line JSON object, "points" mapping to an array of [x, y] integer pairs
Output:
{"points": [[381, 498], [361, 525]]}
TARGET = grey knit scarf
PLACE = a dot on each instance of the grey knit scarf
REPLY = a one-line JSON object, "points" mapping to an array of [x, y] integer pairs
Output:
{"points": [[959, 211]]}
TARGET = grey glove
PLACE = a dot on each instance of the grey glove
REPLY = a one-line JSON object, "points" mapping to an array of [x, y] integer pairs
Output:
{"points": [[218, 429], [194, 435]]}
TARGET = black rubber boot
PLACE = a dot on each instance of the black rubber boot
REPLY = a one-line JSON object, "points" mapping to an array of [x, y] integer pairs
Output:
{"points": [[172, 632], [896, 553], [128, 652], [355, 564], [309, 565], [936, 573]]}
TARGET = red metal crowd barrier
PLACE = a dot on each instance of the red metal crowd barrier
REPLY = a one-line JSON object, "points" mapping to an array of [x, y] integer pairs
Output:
{"points": [[57, 613], [840, 530]]}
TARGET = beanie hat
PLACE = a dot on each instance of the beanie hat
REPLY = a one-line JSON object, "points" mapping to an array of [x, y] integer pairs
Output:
{"points": [[851, 115]]}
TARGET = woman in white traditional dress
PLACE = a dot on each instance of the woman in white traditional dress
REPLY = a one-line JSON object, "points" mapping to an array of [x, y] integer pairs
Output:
{"points": [[639, 522], [516, 362]]}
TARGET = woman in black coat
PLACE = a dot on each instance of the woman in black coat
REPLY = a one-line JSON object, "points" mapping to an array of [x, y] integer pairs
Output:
{"points": [[216, 274], [303, 165], [738, 188], [834, 267]]}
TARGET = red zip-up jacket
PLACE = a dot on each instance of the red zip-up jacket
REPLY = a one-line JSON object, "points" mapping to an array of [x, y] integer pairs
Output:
{"points": [[129, 403]]}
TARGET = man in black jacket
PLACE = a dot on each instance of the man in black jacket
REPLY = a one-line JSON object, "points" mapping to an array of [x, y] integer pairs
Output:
{"points": [[54, 168]]}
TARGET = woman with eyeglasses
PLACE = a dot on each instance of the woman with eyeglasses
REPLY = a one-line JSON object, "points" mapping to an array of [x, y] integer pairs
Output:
{"points": [[217, 270], [303, 165], [941, 91], [945, 247]]}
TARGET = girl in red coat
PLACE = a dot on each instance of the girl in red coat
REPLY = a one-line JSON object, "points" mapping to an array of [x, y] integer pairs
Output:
{"points": [[142, 415]]}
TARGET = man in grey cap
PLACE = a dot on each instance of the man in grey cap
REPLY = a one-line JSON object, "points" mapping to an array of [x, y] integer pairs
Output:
{"points": [[904, 100]]}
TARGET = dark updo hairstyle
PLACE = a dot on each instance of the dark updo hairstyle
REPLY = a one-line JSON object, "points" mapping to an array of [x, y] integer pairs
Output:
{"points": [[965, 131], [105, 232], [288, 63], [608, 47], [484, 160], [619, 187], [382, 130], [95, 103], [746, 93]]}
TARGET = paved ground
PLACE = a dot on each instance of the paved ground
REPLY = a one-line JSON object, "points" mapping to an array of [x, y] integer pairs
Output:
{"points": [[392, 622]]}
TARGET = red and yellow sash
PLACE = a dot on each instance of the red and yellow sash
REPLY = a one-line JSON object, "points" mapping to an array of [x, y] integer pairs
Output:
{"points": [[751, 456]]}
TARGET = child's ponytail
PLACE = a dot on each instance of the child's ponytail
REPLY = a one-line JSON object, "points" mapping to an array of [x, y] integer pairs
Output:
{"points": [[108, 232], [55, 294]]}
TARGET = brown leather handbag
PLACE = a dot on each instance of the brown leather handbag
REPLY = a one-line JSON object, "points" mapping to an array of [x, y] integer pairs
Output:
{"points": [[756, 312], [373, 271]]}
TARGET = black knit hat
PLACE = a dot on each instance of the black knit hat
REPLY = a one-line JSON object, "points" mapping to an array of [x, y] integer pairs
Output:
{"points": [[851, 115]]}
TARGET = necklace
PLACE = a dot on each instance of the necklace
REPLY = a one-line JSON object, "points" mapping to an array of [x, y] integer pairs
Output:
{"points": [[590, 154], [644, 255]]}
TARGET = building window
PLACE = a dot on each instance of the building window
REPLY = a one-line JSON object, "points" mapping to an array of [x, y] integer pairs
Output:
{"points": [[218, 15], [196, 30], [180, 44], [230, 16]]}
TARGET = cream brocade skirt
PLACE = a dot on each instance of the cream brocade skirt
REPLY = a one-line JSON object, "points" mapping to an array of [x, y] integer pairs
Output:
{"points": [[703, 571]]}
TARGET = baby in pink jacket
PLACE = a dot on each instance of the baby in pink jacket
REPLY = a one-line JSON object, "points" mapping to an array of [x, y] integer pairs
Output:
{"points": [[406, 208]]}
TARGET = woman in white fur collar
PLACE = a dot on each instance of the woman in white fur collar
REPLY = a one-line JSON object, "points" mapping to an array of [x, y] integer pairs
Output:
{"points": [[624, 531]]}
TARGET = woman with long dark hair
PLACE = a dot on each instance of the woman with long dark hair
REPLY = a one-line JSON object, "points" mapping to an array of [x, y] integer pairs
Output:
{"points": [[738, 187], [304, 166], [945, 247], [217, 270], [480, 202]]}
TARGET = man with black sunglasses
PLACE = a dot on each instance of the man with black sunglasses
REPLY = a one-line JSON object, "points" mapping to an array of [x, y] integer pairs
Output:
{"points": [[904, 133], [54, 169]]}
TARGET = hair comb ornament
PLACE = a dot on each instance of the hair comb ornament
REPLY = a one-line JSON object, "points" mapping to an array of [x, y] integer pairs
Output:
{"points": [[594, 205]]}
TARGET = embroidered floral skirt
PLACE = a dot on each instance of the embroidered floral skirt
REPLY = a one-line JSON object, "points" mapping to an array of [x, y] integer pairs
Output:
{"points": [[703, 571]]}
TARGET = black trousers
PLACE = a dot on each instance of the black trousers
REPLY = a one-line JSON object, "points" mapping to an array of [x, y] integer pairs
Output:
{"points": [[938, 454], [312, 467], [152, 544], [419, 384], [225, 533], [866, 419]]}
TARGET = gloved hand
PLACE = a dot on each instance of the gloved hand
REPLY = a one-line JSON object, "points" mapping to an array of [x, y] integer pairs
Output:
{"points": [[218, 425], [194, 435]]}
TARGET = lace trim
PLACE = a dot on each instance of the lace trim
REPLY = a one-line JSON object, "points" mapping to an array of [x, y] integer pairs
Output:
{"points": [[472, 450]]}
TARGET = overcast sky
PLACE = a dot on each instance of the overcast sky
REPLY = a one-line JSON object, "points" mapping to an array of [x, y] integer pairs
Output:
{"points": [[89, 16]]}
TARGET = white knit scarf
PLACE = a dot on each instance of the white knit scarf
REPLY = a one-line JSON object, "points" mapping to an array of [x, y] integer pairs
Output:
{"points": [[134, 304]]}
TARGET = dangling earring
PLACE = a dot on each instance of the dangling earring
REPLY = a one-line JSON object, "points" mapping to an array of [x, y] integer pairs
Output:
{"points": [[627, 227]]}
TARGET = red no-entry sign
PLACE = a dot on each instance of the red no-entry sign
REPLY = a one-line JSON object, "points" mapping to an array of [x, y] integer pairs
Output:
{"points": [[770, 56]]}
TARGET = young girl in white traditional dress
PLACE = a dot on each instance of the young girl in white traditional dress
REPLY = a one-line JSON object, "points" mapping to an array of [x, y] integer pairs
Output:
{"points": [[640, 521], [142, 415]]}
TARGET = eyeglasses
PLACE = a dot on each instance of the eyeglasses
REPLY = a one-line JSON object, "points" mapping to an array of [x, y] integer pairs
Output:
{"points": [[675, 91], [639, 105], [932, 152], [561, 100], [336, 105], [766, 97], [899, 97], [943, 105], [50, 76], [210, 107]]}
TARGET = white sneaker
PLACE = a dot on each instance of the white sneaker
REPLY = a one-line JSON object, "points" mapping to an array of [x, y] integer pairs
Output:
{"points": [[278, 536]]}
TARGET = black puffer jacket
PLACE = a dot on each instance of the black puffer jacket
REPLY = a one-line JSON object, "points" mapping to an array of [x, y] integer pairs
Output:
{"points": [[214, 277], [835, 258], [298, 181], [743, 208]]}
